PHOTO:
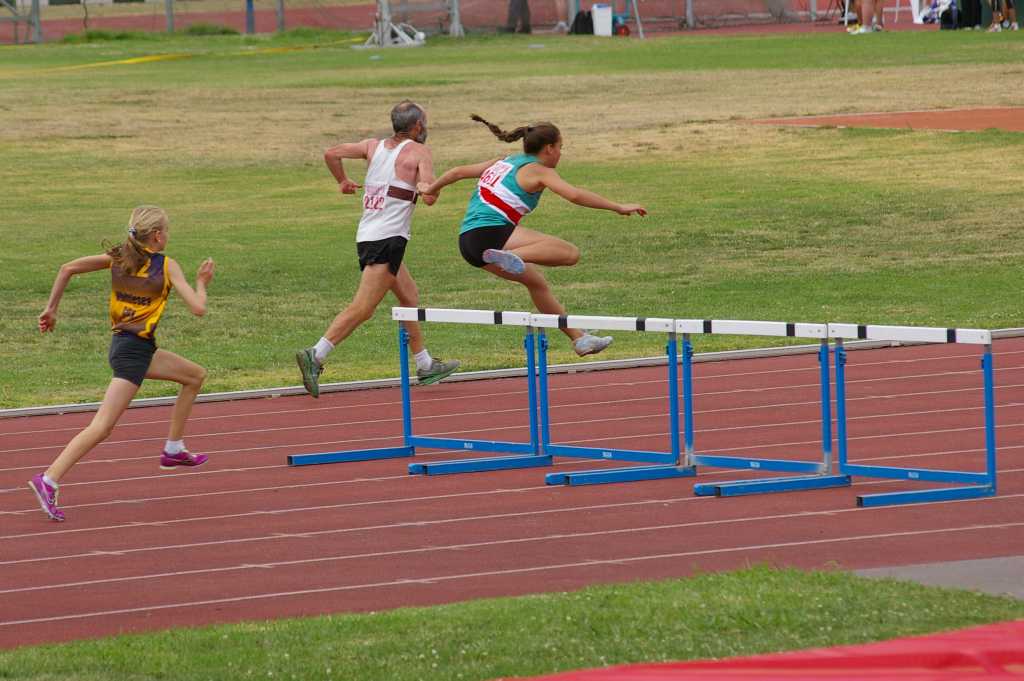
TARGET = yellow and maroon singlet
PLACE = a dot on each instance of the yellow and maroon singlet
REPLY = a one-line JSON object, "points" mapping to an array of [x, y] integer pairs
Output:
{"points": [[137, 300]]}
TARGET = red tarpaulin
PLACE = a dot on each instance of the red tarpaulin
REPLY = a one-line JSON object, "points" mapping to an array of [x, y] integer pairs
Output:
{"points": [[987, 653]]}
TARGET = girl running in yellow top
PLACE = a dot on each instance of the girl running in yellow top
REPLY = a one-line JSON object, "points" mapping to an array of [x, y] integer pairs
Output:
{"points": [[141, 279], [509, 188]]}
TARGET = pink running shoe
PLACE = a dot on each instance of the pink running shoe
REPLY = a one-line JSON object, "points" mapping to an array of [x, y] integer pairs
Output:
{"points": [[183, 458], [47, 497]]}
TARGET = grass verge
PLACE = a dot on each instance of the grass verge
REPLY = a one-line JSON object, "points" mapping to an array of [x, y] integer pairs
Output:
{"points": [[752, 611]]}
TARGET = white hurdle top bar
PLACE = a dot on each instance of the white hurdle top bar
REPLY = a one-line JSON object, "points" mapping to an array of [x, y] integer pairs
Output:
{"points": [[910, 334], [745, 328], [430, 314], [577, 321], [871, 332]]}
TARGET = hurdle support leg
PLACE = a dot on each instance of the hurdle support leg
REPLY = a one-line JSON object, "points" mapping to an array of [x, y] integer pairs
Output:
{"points": [[530, 454], [821, 478], [628, 474], [405, 450], [985, 482]]}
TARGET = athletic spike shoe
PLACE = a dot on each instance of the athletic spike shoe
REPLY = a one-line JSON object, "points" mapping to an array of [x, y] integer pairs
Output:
{"points": [[438, 371], [311, 370], [182, 458], [47, 497], [506, 260], [589, 344]]}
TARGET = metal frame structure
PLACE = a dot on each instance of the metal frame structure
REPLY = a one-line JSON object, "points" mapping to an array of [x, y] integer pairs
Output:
{"points": [[979, 484], [388, 33], [529, 452], [666, 464], [817, 474], [32, 19]]}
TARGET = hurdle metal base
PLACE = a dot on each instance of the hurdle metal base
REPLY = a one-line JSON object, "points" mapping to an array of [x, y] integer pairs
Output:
{"points": [[736, 488], [605, 476], [781, 465], [925, 495], [355, 455], [919, 474], [494, 463], [472, 445], [607, 454]]}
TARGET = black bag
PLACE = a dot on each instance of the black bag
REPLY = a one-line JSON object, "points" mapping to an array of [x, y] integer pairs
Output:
{"points": [[582, 24], [948, 20]]}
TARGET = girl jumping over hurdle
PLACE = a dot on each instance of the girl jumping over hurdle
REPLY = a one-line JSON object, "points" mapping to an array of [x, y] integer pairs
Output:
{"points": [[509, 188], [141, 280]]}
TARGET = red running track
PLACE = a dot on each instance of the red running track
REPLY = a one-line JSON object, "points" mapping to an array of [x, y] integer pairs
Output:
{"points": [[245, 537]]}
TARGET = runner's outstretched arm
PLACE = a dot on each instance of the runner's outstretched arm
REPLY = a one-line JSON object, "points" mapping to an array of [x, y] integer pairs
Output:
{"points": [[582, 197], [453, 175]]}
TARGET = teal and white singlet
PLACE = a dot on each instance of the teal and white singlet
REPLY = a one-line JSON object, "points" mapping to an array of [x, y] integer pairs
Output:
{"points": [[499, 200]]}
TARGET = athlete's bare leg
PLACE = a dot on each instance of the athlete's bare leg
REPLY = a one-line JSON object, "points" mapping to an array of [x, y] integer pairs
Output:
{"points": [[540, 292], [374, 284], [542, 249], [119, 394], [167, 366]]}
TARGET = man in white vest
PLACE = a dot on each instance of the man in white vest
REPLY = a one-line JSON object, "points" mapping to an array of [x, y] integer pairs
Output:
{"points": [[396, 164]]}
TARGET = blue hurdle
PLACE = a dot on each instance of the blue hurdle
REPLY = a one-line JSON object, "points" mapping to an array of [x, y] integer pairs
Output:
{"points": [[817, 474], [980, 484], [530, 452], [665, 464]]}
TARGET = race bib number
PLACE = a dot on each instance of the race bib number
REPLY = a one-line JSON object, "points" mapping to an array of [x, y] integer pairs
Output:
{"points": [[495, 174], [373, 198]]}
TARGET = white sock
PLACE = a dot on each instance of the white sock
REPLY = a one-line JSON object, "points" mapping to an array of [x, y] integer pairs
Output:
{"points": [[423, 359], [322, 348], [51, 483], [174, 446]]}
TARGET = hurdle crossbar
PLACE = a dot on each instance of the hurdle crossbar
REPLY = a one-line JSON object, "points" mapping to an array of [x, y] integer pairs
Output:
{"points": [[816, 474], [666, 464], [979, 484], [529, 452]]}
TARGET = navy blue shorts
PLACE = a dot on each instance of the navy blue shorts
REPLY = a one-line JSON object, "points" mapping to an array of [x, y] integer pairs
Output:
{"points": [[130, 356]]}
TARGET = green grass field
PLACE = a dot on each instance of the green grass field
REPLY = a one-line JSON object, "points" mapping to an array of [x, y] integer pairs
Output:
{"points": [[753, 611], [745, 221]]}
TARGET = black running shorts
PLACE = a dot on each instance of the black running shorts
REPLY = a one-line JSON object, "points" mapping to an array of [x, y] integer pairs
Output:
{"points": [[388, 252], [130, 356], [473, 243]]}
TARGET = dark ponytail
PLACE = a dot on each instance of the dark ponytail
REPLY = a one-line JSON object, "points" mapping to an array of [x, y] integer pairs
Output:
{"points": [[535, 137]]}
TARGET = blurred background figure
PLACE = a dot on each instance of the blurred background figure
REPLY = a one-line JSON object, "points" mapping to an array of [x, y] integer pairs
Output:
{"points": [[562, 16], [518, 17]]}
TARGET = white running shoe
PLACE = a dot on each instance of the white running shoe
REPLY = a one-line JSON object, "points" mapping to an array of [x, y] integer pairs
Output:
{"points": [[506, 260], [589, 344]]}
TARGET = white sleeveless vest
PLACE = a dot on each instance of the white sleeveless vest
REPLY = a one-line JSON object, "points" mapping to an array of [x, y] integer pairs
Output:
{"points": [[385, 215]]}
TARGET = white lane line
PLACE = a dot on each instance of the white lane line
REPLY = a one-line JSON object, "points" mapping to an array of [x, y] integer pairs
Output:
{"points": [[277, 429], [718, 450], [632, 417], [699, 412], [479, 396], [282, 511], [471, 545], [496, 573], [278, 535]]}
